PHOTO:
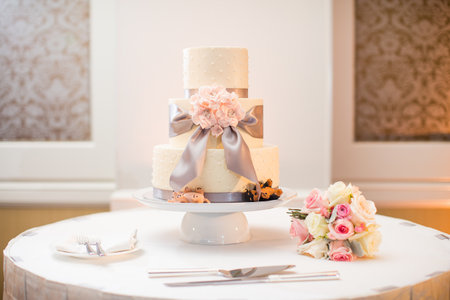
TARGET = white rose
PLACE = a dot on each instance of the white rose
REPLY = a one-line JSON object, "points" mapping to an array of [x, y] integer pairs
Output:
{"points": [[317, 225], [318, 248], [339, 193], [370, 243], [363, 211], [369, 229]]}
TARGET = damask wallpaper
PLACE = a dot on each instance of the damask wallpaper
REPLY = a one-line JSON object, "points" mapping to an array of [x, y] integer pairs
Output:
{"points": [[44, 70], [402, 70]]}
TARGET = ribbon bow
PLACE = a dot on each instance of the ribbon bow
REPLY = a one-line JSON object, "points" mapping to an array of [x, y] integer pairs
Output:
{"points": [[237, 153]]}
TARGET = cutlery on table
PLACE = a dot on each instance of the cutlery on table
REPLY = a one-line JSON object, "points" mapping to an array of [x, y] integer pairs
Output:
{"points": [[317, 276], [84, 240], [100, 251], [233, 273]]}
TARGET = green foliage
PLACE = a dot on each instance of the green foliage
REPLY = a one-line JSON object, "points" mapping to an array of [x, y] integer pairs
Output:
{"points": [[296, 214]]}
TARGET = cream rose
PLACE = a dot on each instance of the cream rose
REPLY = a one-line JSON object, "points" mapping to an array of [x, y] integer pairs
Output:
{"points": [[317, 225], [318, 248], [370, 243], [363, 211], [339, 193]]}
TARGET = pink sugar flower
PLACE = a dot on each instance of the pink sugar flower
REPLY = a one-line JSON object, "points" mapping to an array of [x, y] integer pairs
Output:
{"points": [[343, 210], [341, 229], [316, 200], [214, 108], [299, 229], [216, 130], [340, 252]]}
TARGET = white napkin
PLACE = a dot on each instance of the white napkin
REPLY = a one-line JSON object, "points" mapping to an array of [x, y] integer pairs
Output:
{"points": [[111, 242]]}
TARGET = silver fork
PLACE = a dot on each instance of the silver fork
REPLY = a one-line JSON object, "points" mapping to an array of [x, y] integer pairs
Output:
{"points": [[94, 240], [84, 240], [100, 251]]}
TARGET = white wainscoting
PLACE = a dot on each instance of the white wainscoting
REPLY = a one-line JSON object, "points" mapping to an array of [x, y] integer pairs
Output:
{"points": [[72, 172]]}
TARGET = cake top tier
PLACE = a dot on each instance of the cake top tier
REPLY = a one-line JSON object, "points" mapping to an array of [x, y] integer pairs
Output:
{"points": [[222, 66]]}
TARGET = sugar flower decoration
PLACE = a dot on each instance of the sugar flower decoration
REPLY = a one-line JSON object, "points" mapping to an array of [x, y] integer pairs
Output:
{"points": [[213, 107]]}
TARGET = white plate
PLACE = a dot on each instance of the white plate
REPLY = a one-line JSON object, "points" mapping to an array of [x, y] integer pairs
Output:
{"points": [[85, 255], [142, 196]]}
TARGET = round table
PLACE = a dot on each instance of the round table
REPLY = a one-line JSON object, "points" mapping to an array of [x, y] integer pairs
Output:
{"points": [[413, 262]]}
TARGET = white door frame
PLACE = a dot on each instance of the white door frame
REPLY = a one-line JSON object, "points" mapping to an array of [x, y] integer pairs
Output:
{"points": [[391, 173], [72, 172]]}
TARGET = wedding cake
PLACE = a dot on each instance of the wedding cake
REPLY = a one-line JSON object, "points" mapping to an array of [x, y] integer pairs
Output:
{"points": [[216, 147]]}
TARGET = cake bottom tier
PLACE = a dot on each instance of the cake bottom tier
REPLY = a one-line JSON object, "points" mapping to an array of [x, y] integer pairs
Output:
{"points": [[215, 178]]}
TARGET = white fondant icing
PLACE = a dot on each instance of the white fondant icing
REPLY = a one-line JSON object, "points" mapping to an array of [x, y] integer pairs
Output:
{"points": [[216, 177], [223, 66]]}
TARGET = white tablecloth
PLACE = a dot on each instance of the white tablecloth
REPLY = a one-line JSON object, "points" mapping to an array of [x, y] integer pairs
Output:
{"points": [[413, 262]]}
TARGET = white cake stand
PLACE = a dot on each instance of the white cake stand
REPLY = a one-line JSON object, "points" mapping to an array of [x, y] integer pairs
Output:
{"points": [[213, 223]]}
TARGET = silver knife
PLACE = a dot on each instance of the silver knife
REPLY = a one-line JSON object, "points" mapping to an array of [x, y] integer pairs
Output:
{"points": [[233, 273], [316, 276]]}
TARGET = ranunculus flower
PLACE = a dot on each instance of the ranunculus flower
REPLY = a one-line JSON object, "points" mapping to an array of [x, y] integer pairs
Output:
{"points": [[317, 225], [363, 211], [360, 228], [341, 229], [342, 210], [317, 248], [299, 229], [339, 193], [316, 200], [340, 252], [214, 107]]}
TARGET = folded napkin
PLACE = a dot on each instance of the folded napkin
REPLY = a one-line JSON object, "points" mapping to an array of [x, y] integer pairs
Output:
{"points": [[111, 242]]}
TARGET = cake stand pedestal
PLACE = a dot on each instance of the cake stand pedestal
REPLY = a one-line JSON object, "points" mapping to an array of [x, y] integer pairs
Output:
{"points": [[213, 223]]}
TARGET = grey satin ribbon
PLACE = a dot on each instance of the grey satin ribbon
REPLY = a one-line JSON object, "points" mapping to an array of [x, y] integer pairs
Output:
{"points": [[192, 160], [253, 122], [237, 158], [241, 93], [213, 197], [181, 122]]}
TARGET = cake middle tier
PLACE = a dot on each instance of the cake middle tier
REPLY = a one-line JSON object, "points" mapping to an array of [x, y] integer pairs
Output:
{"points": [[181, 140], [215, 178]]}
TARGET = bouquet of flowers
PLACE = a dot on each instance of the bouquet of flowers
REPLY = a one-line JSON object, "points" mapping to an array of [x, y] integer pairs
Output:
{"points": [[338, 224]]}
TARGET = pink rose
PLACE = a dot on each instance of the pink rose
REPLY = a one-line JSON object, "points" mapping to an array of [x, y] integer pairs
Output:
{"points": [[340, 252], [299, 229], [316, 200], [343, 210], [325, 212], [341, 229]]}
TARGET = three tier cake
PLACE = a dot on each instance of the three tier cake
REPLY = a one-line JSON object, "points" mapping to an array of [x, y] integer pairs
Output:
{"points": [[216, 147]]}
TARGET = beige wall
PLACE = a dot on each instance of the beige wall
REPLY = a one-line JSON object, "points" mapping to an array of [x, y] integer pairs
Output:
{"points": [[289, 60]]}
